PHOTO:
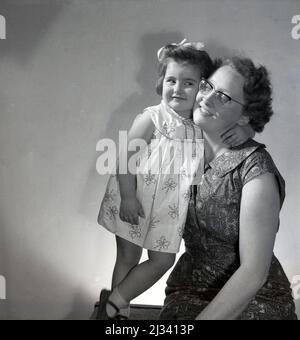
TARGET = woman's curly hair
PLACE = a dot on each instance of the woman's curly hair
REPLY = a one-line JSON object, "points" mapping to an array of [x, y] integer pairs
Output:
{"points": [[185, 55], [257, 91]]}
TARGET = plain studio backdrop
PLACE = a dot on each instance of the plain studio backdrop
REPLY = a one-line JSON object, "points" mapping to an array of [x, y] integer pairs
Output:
{"points": [[76, 71]]}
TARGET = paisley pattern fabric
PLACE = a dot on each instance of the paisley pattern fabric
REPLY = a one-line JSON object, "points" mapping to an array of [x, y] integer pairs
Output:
{"points": [[211, 238], [165, 171]]}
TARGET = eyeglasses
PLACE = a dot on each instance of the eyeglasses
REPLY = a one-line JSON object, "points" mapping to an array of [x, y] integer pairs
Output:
{"points": [[207, 87]]}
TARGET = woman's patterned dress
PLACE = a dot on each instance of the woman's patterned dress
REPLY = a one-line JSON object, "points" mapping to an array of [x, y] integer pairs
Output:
{"points": [[212, 241]]}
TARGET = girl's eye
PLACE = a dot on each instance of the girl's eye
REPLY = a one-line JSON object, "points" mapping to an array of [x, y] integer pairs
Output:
{"points": [[171, 81], [190, 83]]}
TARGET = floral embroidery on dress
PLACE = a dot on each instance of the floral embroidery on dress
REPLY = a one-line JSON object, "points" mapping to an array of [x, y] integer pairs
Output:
{"points": [[112, 212], [174, 211], [169, 184], [162, 243], [186, 195], [169, 128], [150, 179], [135, 231], [109, 196], [180, 231]]}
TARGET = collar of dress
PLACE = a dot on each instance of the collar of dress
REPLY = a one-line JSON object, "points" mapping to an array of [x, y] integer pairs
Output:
{"points": [[231, 159]]}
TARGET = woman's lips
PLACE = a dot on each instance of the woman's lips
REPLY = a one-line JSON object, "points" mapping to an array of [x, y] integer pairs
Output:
{"points": [[205, 112]]}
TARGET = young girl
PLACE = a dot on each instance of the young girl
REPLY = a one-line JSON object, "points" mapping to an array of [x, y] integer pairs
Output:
{"points": [[147, 209]]}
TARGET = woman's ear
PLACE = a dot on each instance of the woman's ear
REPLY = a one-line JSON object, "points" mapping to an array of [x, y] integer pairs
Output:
{"points": [[244, 120]]}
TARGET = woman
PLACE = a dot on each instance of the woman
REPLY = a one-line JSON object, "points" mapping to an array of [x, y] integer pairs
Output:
{"points": [[229, 270]]}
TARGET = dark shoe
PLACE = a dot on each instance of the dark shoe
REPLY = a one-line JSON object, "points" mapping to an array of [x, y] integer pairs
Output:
{"points": [[101, 314], [103, 301]]}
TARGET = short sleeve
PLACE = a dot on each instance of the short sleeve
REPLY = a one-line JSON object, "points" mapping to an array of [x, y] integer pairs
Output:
{"points": [[154, 112], [259, 163]]}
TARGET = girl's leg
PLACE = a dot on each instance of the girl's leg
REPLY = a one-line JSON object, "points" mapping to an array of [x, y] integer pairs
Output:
{"points": [[145, 275], [128, 256]]}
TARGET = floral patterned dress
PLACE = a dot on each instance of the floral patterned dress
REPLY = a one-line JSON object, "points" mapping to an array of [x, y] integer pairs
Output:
{"points": [[165, 171], [211, 238]]}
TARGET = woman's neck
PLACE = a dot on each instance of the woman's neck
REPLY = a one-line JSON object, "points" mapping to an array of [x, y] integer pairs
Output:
{"points": [[214, 147]]}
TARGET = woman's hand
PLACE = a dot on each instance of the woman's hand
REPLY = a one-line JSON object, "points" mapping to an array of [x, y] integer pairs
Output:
{"points": [[130, 210], [237, 135]]}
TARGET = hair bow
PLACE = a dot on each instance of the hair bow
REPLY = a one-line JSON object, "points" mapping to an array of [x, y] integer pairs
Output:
{"points": [[197, 45]]}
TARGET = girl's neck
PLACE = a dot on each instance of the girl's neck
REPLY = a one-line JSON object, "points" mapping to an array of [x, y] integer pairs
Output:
{"points": [[214, 147], [183, 115]]}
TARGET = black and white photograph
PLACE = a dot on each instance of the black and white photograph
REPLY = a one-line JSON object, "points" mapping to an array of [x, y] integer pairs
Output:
{"points": [[149, 162]]}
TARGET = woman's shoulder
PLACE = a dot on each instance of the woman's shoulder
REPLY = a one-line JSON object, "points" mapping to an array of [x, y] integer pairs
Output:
{"points": [[258, 159], [260, 155], [258, 163], [237, 158], [249, 161]]}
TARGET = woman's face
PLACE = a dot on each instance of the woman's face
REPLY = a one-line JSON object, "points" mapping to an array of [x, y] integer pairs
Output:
{"points": [[209, 111]]}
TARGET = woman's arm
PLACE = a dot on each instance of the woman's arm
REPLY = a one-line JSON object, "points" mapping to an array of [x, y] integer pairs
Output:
{"points": [[259, 218], [130, 209]]}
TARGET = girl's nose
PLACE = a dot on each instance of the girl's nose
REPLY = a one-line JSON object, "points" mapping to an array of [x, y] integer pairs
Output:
{"points": [[177, 87]]}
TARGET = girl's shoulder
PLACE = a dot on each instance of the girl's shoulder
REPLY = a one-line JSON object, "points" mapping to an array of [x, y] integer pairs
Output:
{"points": [[155, 109]]}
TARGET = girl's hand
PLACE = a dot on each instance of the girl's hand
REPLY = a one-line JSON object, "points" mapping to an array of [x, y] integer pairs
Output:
{"points": [[237, 135], [130, 210]]}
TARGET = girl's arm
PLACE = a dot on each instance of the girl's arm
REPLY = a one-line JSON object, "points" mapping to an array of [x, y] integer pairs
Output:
{"points": [[131, 208], [259, 218], [238, 135]]}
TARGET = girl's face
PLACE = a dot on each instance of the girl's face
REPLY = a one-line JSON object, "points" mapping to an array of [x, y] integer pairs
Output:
{"points": [[180, 87], [210, 113]]}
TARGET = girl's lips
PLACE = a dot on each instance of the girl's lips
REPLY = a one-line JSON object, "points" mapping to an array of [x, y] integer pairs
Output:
{"points": [[178, 98]]}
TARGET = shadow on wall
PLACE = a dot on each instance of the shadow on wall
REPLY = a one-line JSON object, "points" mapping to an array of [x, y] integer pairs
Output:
{"points": [[26, 24], [123, 116], [39, 285], [81, 308], [41, 290]]}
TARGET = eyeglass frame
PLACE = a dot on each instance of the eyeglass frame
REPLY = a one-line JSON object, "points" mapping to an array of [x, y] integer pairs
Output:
{"points": [[213, 89]]}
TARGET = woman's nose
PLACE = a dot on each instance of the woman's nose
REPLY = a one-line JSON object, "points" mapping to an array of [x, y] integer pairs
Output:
{"points": [[208, 98]]}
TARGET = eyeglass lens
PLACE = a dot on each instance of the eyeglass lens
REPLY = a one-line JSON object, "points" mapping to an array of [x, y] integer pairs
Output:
{"points": [[206, 87]]}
